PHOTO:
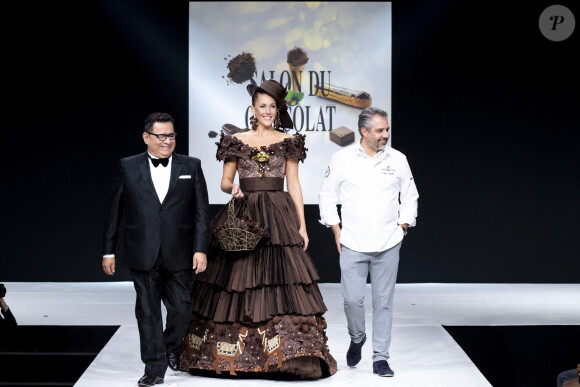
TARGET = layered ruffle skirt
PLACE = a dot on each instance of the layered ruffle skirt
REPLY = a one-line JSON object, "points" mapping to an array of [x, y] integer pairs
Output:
{"points": [[259, 311]]}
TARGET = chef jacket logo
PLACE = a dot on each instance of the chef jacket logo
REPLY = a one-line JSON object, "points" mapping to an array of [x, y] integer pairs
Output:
{"points": [[388, 170]]}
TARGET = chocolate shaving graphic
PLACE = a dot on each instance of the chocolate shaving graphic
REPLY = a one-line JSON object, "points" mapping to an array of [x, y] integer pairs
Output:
{"points": [[242, 67]]}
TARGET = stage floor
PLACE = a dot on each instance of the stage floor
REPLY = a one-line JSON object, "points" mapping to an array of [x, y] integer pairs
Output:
{"points": [[422, 352]]}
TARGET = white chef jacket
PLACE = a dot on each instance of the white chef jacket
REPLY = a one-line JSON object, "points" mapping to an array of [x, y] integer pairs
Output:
{"points": [[377, 195]]}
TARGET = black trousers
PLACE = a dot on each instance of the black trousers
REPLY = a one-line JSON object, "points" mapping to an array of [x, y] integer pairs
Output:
{"points": [[175, 290], [9, 334]]}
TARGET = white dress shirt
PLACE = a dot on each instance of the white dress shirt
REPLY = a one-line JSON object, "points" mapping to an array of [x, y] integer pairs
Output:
{"points": [[377, 195], [160, 177]]}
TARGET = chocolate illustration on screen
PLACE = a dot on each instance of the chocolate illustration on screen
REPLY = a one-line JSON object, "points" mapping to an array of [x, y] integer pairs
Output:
{"points": [[296, 59], [359, 99], [242, 68], [341, 136]]}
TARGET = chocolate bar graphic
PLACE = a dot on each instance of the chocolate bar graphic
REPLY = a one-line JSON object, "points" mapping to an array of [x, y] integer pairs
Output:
{"points": [[232, 129]]}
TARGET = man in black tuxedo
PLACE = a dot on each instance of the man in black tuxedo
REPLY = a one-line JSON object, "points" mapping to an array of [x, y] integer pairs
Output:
{"points": [[163, 199]]}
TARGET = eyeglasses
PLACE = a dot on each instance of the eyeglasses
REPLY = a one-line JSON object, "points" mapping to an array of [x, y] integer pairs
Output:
{"points": [[163, 137]]}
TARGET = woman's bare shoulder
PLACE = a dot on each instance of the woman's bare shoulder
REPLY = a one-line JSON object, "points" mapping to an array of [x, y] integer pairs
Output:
{"points": [[242, 135]]}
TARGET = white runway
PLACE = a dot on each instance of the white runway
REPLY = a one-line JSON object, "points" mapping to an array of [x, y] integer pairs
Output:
{"points": [[422, 352]]}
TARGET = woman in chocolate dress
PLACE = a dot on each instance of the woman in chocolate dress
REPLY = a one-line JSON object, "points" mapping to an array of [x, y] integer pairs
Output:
{"points": [[259, 312]]}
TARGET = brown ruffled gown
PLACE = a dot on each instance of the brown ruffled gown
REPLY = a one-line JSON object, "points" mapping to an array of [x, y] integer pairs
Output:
{"points": [[260, 311]]}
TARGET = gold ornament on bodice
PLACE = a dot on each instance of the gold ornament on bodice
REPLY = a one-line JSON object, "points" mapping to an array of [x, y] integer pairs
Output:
{"points": [[262, 159]]}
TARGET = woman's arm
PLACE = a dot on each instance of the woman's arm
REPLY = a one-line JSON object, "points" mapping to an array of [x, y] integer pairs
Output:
{"points": [[228, 175], [295, 191]]}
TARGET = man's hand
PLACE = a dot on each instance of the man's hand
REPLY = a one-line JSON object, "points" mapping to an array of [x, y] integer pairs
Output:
{"points": [[109, 266], [336, 230], [199, 262]]}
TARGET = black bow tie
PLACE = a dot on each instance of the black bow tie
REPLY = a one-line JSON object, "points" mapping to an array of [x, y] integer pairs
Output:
{"points": [[156, 162]]}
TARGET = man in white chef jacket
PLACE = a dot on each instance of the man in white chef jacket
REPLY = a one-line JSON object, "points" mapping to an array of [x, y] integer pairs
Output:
{"points": [[374, 185]]}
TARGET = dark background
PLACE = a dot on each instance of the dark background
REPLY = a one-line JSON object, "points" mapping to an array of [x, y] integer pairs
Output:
{"points": [[520, 356], [484, 107]]}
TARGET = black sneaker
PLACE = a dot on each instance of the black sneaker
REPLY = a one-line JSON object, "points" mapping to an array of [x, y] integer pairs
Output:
{"points": [[382, 368], [353, 355]]}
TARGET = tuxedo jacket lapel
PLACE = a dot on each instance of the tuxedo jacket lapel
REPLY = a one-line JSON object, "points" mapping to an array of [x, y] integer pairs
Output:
{"points": [[146, 173], [176, 167]]}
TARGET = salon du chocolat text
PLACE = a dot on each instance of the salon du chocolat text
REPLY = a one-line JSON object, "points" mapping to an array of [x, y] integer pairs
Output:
{"points": [[306, 118]]}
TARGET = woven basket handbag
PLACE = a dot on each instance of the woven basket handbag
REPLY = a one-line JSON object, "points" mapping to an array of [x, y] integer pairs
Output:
{"points": [[239, 234]]}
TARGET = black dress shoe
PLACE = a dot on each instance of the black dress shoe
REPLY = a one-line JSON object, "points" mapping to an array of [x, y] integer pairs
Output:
{"points": [[173, 360], [353, 355], [150, 380], [381, 367]]}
